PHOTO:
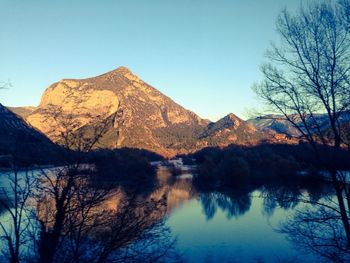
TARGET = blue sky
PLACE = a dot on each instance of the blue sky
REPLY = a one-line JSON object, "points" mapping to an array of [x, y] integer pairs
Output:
{"points": [[204, 54]]}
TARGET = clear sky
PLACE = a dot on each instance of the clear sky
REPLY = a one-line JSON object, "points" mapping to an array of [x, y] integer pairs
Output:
{"points": [[204, 54]]}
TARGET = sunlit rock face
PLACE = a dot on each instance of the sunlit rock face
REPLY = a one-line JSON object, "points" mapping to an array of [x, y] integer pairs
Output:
{"points": [[72, 97], [142, 117]]}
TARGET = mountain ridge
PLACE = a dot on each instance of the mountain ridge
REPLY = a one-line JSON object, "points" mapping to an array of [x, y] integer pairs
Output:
{"points": [[142, 116]]}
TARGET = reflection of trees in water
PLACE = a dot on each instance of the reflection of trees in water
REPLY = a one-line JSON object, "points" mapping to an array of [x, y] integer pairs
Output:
{"points": [[121, 226], [275, 195], [279, 196], [288, 196], [234, 204], [315, 225], [99, 225], [318, 229], [75, 221]]}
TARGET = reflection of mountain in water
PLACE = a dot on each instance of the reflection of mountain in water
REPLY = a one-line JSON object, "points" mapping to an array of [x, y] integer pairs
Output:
{"points": [[176, 191]]}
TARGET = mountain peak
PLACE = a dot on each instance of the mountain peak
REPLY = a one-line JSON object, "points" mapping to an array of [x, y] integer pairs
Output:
{"points": [[123, 70], [231, 120], [232, 117]]}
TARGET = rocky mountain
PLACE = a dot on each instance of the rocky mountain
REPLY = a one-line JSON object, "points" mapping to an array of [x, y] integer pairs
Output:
{"points": [[21, 141], [140, 116]]}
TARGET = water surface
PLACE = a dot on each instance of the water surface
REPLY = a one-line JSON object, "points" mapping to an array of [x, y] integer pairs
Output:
{"points": [[236, 225], [214, 228]]}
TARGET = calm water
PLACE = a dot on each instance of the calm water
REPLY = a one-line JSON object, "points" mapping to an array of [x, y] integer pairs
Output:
{"points": [[239, 226], [210, 230]]}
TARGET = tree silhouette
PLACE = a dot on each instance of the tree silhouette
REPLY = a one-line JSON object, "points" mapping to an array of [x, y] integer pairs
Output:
{"points": [[308, 73]]}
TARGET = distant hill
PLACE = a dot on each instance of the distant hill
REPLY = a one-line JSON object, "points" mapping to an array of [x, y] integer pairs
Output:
{"points": [[140, 115], [279, 125], [274, 123]]}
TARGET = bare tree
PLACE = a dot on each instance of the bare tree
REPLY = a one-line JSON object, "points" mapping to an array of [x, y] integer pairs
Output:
{"points": [[61, 191], [345, 8], [319, 230], [5, 84], [116, 227], [15, 198], [71, 210], [135, 232], [79, 135], [309, 74]]}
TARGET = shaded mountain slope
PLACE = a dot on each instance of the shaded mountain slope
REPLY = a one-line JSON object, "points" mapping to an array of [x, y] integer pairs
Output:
{"points": [[21, 142]]}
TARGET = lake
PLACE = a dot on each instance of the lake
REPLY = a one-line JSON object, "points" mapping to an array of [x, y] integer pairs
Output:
{"points": [[226, 235], [228, 225], [235, 227]]}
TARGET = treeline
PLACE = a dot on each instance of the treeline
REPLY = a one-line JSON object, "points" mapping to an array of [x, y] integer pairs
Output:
{"points": [[258, 164]]}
